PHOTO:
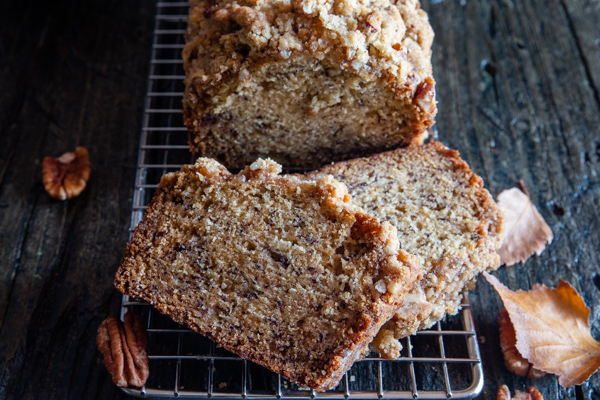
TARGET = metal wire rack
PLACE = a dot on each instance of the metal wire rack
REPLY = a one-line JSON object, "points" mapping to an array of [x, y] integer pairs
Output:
{"points": [[440, 363]]}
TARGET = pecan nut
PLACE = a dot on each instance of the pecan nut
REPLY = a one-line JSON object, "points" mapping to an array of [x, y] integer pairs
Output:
{"points": [[503, 393], [65, 177], [531, 394], [425, 96], [123, 345], [513, 360]]}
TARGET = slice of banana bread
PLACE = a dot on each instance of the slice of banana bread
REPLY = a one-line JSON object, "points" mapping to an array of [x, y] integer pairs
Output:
{"points": [[444, 216], [306, 82], [281, 270]]}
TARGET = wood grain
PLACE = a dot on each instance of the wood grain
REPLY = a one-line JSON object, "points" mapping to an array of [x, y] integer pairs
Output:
{"points": [[517, 89], [518, 86], [72, 73]]}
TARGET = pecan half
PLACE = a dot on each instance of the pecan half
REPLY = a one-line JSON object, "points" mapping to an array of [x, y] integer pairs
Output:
{"points": [[531, 394], [513, 360], [425, 96], [123, 346], [66, 176]]}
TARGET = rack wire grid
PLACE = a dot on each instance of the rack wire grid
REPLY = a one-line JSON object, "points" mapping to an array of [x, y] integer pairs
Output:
{"points": [[443, 362]]}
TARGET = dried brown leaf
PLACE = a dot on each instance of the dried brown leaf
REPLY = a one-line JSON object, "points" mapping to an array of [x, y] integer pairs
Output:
{"points": [[552, 329], [526, 230], [513, 360]]}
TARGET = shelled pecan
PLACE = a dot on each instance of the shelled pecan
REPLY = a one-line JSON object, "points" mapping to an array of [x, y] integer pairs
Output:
{"points": [[123, 345], [66, 176], [531, 394]]}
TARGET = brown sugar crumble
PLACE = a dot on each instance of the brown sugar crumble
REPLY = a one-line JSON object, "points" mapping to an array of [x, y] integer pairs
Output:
{"points": [[306, 82]]}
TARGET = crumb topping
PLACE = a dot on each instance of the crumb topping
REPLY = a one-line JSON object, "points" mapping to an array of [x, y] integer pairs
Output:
{"points": [[374, 38], [282, 270], [444, 217]]}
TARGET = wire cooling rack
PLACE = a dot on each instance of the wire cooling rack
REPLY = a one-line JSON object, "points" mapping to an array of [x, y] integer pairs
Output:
{"points": [[440, 363]]}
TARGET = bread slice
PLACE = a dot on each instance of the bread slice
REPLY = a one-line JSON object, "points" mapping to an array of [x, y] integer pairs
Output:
{"points": [[306, 82], [282, 271], [444, 216]]}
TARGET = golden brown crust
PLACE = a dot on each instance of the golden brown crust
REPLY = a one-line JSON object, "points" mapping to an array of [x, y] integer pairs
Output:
{"points": [[444, 216], [226, 37], [234, 49], [311, 328]]}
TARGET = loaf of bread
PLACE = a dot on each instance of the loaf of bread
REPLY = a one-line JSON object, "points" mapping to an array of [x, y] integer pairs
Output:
{"points": [[306, 82], [282, 271], [444, 216]]}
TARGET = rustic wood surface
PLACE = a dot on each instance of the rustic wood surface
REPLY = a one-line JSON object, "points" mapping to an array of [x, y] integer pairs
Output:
{"points": [[518, 86]]}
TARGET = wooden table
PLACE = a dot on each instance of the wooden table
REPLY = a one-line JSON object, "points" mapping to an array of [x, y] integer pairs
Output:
{"points": [[518, 86]]}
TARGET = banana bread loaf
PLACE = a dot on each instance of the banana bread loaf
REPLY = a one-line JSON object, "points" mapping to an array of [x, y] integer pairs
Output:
{"points": [[306, 82], [282, 271], [444, 216]]}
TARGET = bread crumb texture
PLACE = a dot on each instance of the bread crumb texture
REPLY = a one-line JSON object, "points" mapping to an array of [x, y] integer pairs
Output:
{"points": [[283, 271], [306, 81], [444, 217]]}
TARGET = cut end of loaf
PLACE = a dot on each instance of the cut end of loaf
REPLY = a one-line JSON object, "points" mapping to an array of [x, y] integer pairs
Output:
{"points": [[444, 217], [305, 113], [306, 82], [282, 271]]}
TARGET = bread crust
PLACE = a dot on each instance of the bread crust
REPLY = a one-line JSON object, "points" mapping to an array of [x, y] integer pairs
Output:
{"points": [[151, 270], [443, 215], [230, 43]]}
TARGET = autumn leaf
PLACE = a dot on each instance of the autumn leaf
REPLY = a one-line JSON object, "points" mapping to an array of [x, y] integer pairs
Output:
{"points": [[513, 360], [526, 230], [552, 328]]}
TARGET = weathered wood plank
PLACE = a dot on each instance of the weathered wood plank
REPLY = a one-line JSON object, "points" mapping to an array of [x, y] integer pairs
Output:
{"points": [[583, 22], [84, 85], [517, 98]]}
